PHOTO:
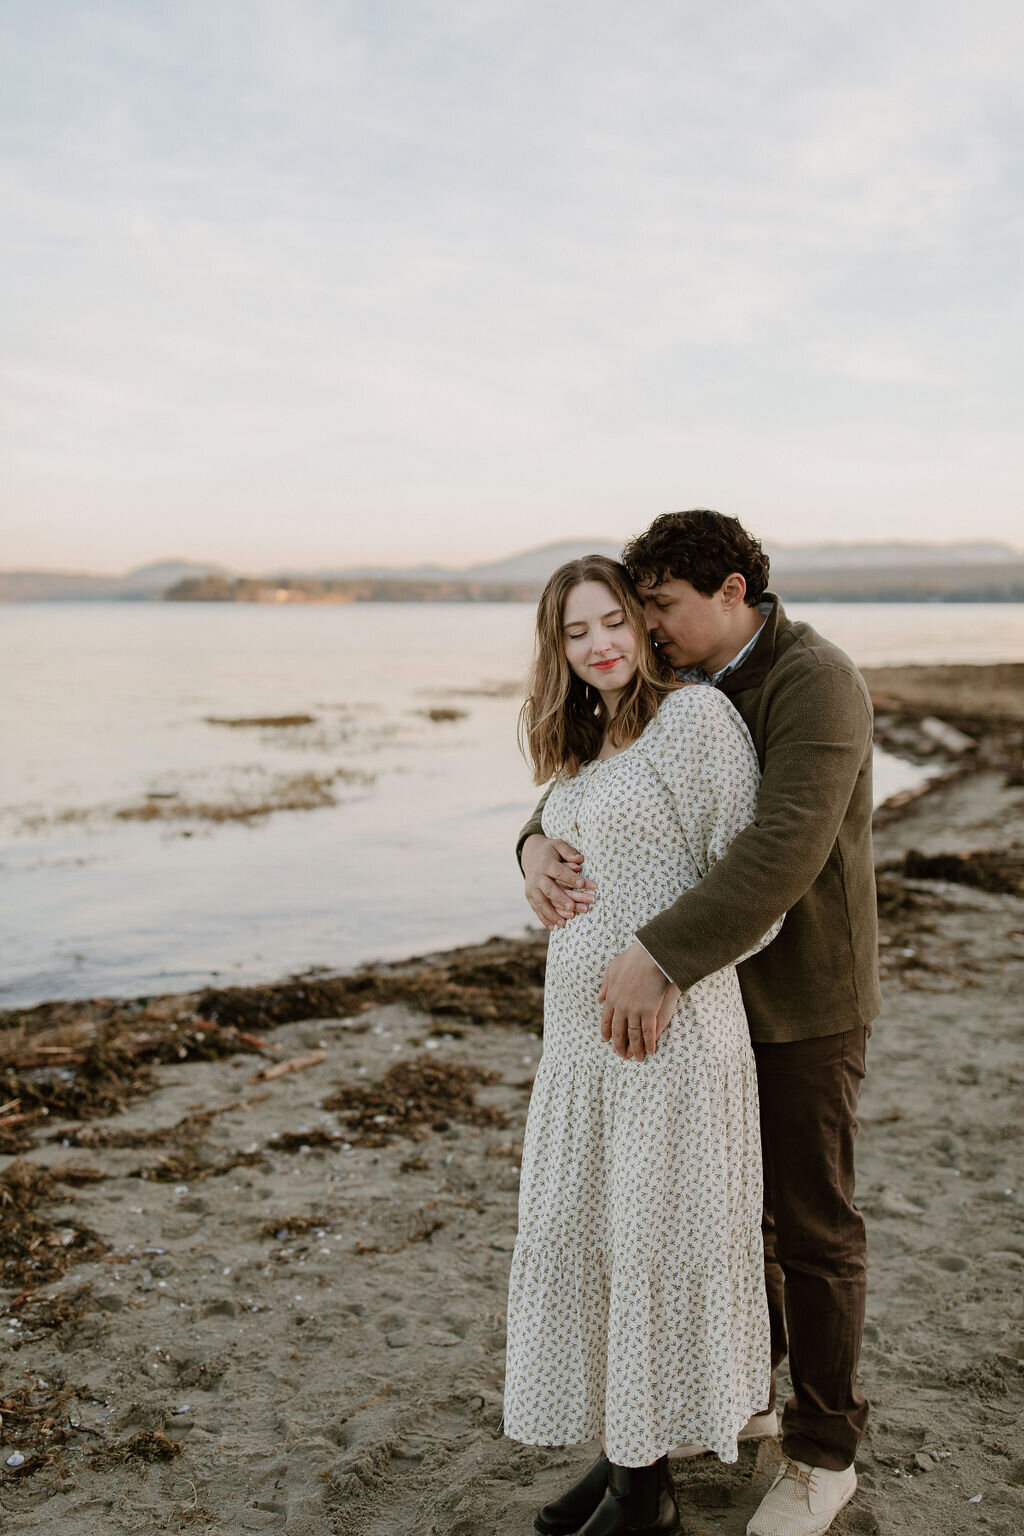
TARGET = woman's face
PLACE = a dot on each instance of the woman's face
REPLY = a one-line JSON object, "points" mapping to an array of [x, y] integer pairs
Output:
{"points": [[600, 646]]}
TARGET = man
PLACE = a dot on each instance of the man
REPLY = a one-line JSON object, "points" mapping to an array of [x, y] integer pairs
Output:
{"points": [[810, 996]]}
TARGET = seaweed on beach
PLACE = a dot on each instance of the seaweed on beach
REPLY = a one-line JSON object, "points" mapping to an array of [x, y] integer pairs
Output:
{"points": [[148, 1445], [303, 1141], [420, 1230], [86, 1060], [34, 1250], [36, 1424], [293, 1226], [33, 1314], [191, 1166], [412, 1098], [999, 870], [15, 1129], [500, 982], [190, 1128], [897, 901]]}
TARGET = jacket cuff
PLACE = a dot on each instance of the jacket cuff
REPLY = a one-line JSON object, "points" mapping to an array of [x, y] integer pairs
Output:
{"points": [[533, 827]]}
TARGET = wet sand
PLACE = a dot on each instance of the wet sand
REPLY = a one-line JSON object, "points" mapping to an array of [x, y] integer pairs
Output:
{"points": [[255, 1250]]}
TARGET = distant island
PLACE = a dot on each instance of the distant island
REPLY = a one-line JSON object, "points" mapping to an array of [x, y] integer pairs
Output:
{"points": [[297, 589], [896, 572]]}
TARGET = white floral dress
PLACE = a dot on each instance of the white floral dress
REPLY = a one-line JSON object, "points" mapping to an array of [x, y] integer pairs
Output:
{"points": [[636, 1298]]}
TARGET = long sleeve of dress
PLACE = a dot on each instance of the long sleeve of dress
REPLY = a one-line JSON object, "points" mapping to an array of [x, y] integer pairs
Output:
{"points": [[703, 754]]}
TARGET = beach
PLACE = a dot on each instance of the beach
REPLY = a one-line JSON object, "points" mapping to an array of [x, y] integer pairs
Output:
{"points": [[256, 1239]]}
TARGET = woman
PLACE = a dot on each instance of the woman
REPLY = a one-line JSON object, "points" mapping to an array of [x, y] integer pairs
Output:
{"points": [[636, 1299]]}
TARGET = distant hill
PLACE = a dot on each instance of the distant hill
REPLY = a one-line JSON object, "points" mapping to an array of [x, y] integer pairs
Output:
{"points": [[144, 583], [802, 557], [968, 582], [537, 564], [532, 565], [981, 571], [163, 573]]}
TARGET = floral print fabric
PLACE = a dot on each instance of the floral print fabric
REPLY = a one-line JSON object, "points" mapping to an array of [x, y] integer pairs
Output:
{"points": [[636, 1298]]}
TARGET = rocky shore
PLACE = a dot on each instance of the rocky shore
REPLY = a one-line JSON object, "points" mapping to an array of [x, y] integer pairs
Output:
{"points": [[255, 1241]]}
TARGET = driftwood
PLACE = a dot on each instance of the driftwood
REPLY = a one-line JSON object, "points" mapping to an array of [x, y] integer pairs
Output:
{"points": [[295, 1064]]}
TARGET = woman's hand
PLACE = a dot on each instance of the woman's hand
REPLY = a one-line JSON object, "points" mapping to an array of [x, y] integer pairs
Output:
{"points": [[555, 887]]}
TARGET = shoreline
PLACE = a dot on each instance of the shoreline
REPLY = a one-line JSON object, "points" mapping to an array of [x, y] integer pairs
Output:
{"points": [[256, 1239], [959, 720]]}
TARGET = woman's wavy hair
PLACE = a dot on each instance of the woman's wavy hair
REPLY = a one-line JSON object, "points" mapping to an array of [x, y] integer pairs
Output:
{"points": [[563, 722]]}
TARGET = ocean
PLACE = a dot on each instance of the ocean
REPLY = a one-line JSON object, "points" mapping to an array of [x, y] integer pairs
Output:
{"points": [[134, 853]]}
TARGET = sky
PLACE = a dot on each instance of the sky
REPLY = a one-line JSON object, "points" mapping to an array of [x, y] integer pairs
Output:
{"points": [[300, 283]]}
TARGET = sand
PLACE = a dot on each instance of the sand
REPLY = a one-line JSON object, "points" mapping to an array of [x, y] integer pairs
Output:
{"points": [[285, 1316]]}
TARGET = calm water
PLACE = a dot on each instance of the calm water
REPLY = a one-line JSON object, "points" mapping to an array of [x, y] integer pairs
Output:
{"points": [[105, 704]]}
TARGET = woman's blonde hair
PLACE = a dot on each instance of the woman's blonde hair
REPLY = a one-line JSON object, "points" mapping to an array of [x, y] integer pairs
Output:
{"points": [[563, 722]]}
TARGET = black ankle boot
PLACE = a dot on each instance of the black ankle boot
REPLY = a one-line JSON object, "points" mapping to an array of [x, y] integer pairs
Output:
{"points": [[639, 1501], [565, 1515]]}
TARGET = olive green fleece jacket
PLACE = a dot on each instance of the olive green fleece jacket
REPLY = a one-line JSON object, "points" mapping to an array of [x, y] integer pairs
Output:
{"points": [[807, 852]]}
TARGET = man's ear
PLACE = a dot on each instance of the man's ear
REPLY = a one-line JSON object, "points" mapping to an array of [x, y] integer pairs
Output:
{"points": [[733, 590]]}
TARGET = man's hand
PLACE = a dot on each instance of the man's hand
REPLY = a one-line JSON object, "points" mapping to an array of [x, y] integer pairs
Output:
{"points": [[555, 887], [633, 993]]}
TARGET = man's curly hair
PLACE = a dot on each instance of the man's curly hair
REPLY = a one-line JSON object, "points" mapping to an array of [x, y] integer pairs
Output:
{"points": [[701, 547]]}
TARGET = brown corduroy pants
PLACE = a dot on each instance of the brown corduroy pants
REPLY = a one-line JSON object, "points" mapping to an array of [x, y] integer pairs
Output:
{"points": [[815, 1248]]}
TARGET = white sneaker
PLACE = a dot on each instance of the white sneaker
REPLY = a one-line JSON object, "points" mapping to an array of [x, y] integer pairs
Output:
{"points": [[803, 1500], [761, 1427]]}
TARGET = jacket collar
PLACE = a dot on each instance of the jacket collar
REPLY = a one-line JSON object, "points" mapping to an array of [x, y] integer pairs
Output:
{"points": [[755, 668]]}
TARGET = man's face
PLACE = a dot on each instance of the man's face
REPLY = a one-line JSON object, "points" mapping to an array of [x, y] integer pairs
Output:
{"points": [[690, 630]]}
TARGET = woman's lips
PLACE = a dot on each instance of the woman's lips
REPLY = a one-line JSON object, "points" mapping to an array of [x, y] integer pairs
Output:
{"points": [[606, 666]]}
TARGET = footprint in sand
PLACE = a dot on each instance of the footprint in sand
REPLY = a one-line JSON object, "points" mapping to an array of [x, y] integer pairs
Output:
{"points": [[955, 1263]]}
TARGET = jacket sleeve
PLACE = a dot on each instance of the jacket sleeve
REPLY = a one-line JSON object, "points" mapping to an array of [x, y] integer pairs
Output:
{"points": [[532, 826], [818, 737]]}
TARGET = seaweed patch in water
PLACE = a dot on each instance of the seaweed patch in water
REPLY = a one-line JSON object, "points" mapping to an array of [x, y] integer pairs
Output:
{"points": [[443, 714], [287, 792], [277, 722]]}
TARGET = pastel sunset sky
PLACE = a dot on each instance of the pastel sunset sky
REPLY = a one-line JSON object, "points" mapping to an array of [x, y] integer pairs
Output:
{"points": [[316, 282]]}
